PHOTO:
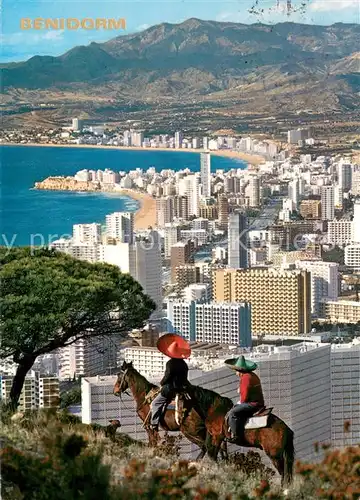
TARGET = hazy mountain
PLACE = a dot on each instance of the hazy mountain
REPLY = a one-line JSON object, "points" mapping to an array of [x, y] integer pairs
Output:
{"points": [[206, 58]]}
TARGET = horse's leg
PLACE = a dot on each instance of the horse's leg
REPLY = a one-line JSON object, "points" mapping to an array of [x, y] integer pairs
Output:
{"points": [[201, 454], [278, 463], [223, 451], [213, 444]]}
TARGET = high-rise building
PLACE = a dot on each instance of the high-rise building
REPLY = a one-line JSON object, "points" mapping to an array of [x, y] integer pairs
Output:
{"points": [[310, 209], [340, 232], [39, 391], [205, 174], [197, 291], [137, 138], [355, 180], [181, 207], [189, 186], [87, 357], [237, 241], [352, 256], [211, 322], [178, 139], [356, 221], [280, 300], [223, 211], [324, 281], [76, 125], [186, 275], [164, 210], [294, 191], [148, 268], [327, 203], [345, 394], [344, 175], [181, 254], [253, 191], [120, 226], [86, 233], [171, 237]]}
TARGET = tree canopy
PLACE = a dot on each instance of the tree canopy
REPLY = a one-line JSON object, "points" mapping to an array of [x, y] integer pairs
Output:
{"points": [[49, 300]]}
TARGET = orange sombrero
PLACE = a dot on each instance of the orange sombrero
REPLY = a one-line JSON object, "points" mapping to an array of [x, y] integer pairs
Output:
{"points": [[174, 346]]}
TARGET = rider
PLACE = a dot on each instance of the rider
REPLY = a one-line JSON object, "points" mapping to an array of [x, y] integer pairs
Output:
{"points": [[175, 377], [251, 396]]}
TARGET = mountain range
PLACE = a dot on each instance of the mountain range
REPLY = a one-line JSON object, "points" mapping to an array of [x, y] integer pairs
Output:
{"points": [[284, 66]]}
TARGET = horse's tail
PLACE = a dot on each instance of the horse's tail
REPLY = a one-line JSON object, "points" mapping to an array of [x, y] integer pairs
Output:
{"points": [[289, 457]]}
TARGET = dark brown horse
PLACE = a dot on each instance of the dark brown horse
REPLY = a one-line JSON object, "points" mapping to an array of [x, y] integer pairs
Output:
{"points": [[276, 440], [193, 425]]}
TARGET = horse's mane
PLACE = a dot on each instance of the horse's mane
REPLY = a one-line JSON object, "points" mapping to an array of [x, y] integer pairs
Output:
{"points": [[206, 398]]}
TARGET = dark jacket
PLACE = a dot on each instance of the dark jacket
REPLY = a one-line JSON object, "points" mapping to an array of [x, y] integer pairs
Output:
{"points": [[176, 374]]}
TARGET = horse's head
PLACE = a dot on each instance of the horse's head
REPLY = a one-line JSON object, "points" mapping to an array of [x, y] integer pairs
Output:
{"points": [[122, 382]]}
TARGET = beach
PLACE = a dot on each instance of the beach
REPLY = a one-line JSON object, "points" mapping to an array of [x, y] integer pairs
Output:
{"points": [[239, 155], [145, 216]]}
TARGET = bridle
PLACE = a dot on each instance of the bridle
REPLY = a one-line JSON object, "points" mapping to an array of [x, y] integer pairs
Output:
{"points": [[122, 380]]}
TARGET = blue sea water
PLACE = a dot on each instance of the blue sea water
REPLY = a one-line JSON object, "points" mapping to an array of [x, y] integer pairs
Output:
{"points": [[35, 217]]}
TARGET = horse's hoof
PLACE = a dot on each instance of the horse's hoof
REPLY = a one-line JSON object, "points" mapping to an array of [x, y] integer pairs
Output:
{"points": [[286, 492]]}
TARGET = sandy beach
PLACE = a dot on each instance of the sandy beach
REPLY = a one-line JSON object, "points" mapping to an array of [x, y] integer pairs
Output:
{"points": [[145, 216], [236, 155]]}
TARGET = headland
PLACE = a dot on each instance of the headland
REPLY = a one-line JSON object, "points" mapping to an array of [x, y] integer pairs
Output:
{"points": [[145, 215]]}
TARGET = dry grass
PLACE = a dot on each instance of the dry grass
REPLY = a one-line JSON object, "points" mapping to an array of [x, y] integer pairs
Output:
{"points": [[135, 471]]}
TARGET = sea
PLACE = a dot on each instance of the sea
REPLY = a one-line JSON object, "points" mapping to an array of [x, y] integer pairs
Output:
{"points": [[31, 217]]}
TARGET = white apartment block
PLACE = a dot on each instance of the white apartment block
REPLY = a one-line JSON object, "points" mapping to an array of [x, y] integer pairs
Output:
{"points": [[85, 251], [223, 323], [121, 255], [148, 268], [86, 233], [87, 357], [253, 191], [171, 237], [197, 291], [324, 281], [341, 311], [39, 391], [189, 186], [340, 232], [352, 256], [120, 226], [205, 174], [327, 203], [356, 221], [345, 393], [147, 360]]}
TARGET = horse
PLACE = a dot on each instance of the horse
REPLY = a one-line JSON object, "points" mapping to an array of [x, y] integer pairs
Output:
{"points": [[192, 425], [275, 438]]}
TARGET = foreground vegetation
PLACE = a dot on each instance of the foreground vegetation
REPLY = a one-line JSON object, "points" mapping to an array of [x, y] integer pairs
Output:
{"points": [[47, 455]]}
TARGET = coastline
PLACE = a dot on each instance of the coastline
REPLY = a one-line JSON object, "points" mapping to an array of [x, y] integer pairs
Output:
{"points": [[235, 155], [145, 215]]}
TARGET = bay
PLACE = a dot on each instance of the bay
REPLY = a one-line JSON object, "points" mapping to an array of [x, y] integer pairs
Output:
{"points": [[29, 216]]}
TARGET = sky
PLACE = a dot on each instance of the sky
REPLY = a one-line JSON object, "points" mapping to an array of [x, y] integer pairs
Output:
{"points": [[18, 44]]}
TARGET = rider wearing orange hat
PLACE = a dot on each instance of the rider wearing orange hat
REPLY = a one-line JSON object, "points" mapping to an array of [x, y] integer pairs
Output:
{"points": [[175, 377]]}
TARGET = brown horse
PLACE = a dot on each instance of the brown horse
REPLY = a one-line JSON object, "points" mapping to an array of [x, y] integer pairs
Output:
{"points": [[276, 440], [192, 427]]}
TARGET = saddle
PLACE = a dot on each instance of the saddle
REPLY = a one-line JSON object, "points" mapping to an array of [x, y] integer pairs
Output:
{"points": [[257, 421], [151, 395]]}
